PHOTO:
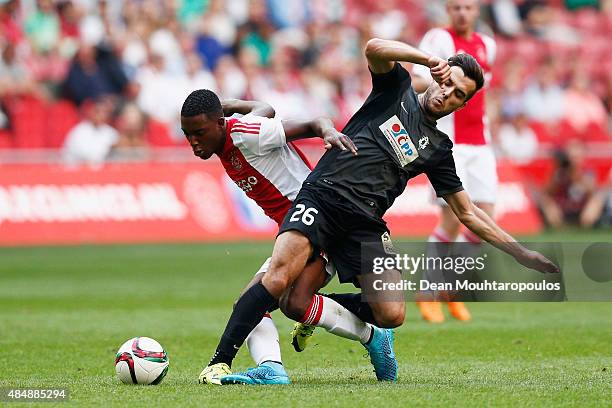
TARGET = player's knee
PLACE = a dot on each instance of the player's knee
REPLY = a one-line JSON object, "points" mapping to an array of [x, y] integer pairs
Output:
{"points": [[277, 280], [294, 306], [391, 316]]}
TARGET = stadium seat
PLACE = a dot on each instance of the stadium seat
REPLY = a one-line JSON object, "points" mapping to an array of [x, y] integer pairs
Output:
{"points": [[158, 134], [28, 118], [62, 116], [6, 140]]}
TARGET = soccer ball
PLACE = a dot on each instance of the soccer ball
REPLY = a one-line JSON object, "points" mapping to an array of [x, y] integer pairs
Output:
{"points": [[141, 360]]}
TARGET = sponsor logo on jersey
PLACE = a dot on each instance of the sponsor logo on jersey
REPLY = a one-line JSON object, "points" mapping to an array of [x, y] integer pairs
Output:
{"points": [[236, 163], [399, 140], [387, 244], [423, 142]]}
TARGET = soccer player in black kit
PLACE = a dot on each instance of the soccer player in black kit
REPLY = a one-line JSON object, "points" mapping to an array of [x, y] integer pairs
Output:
{"points": [[342, 202]]}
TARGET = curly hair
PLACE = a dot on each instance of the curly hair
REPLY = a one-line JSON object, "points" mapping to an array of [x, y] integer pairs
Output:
{"points": [[200, 102]]}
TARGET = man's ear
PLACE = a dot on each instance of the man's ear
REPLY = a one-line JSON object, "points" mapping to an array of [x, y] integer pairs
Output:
{"points": [[221, 121]]}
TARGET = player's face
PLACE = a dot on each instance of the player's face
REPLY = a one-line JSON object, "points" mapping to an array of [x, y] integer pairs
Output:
{"points": [[463, 14], [440, 100], [206, 136]]}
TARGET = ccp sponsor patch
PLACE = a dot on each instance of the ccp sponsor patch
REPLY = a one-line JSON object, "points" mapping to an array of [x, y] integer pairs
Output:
{"points": [[398, 137]]}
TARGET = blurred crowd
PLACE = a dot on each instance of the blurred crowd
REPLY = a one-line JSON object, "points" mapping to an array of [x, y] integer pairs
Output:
{"points": [[139, 59], [104, 79]]}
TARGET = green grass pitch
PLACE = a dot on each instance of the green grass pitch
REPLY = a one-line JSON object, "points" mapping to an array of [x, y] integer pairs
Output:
{"points": [[65, 311]]}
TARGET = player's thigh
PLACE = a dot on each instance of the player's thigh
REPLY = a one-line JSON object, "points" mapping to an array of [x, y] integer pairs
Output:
{"points": [[481, 175], [381, 289], [291, 252], [296, 300], [302, 233], [449, 222]]}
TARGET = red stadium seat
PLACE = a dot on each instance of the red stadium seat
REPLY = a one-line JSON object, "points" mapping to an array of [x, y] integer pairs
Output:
{"points": [[6, 139], [62, 116], [158, 134], [28, 119]]}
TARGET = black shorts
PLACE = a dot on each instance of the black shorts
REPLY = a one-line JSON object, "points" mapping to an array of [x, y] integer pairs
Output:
{"points": [[334, 225]]}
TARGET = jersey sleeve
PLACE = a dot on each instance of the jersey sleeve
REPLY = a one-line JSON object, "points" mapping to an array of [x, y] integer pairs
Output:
{"points": [[392, 80], [258, 134], [443, 177]]}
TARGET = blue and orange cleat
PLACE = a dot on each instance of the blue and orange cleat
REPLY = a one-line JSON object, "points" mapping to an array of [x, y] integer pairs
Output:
{"points": [[382, 355], [267, 373]]}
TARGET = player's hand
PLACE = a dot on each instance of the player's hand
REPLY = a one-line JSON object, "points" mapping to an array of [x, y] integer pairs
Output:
{"points": [[228, 106], [537, 261], [332, 138], [439, 69]]}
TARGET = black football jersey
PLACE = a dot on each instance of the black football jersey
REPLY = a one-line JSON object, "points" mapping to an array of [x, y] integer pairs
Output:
{"points": [[395, 142]]}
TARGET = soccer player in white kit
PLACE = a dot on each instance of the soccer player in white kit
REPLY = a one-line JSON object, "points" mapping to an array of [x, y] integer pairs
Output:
{"points": [[468, 128]]}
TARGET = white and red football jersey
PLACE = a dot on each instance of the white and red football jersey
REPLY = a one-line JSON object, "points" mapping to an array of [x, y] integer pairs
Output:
{"points": [[468, 125], [258, 158]]}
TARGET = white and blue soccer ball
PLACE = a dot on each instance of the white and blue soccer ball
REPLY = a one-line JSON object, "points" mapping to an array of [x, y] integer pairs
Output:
{"points": [[141, 360]]}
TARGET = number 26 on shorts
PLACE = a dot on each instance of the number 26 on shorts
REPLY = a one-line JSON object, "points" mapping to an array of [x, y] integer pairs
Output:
{"points": [[307, 214]]}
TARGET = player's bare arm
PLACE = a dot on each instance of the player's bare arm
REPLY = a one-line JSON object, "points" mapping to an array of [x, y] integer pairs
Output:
{"points": [[382, 55], [482, 225], [257, 108], [319, 127]]}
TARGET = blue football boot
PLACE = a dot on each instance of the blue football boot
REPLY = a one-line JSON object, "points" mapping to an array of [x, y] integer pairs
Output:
{"points": [[266, 373], [382, 355]]}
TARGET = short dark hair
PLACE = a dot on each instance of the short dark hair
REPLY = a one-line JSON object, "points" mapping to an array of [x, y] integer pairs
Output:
{"points": [[470, 68], [200, 102]]}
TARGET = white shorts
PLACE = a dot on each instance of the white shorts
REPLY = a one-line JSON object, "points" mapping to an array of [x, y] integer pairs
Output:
{"points": [[477, 170], [330, 270]]}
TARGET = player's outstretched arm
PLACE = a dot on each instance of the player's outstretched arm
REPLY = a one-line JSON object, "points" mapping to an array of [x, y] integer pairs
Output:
{"points": [[258, 108], [482, 225], [382, 55], [319, 127]]}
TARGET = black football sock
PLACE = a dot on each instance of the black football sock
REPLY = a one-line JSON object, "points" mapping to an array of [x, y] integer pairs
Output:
{"points": [[248, 312], [352, 301]]}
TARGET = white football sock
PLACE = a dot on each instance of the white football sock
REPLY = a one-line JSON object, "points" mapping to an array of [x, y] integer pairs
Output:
{"points": [[469, 244], [336, 319], [263, 342]]}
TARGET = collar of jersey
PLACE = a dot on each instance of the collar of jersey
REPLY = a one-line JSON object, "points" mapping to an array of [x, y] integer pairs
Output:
{"points": [[229, 144]]}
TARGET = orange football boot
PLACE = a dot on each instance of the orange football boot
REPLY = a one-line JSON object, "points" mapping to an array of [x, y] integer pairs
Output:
{"points": [[459, 311], [431, 311]]}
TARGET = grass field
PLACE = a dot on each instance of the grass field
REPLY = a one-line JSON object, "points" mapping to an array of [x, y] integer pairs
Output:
{"points": [[65, 311]]}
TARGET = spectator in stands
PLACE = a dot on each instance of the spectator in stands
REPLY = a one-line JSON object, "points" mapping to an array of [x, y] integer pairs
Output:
{"points": [[15, 78], [571, 196], [231, 81], [543, 98], [210, 48], [584, 111], [256, 33], [94, 72], [161, 93], [10, 29], [246, 44], [516, 139], [43, 26], [92, 139], [132, 127], [196, 76]]}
